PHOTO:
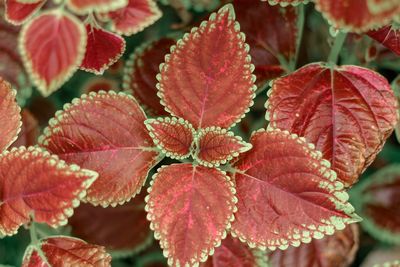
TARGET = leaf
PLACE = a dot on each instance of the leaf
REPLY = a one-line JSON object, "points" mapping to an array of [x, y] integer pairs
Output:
{"points": [[134, 17], [123, 230], [99, 83], [52, 46], [64, 251], [172, 135], [389, 36], [88, 6], [287, 193], [269, 47], [140, 74], [338, 250], [190, 207], [10, 119], [104, 132], [378, 257], [348, 112], [370, 13], [35, 184], [377, 199], [29, 130], [18, 13], [103, 49], [217, 146], [396, 89], [285, 3], [198, 79]]}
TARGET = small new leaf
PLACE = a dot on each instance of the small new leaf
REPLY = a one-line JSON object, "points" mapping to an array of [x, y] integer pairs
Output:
{"points": [[388, 36]]}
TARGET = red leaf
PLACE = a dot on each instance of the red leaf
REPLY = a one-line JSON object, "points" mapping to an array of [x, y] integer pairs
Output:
{"points": [[389, 36], [18, 13], [287, 193], [173, 136], [217, 146], [10, 119], [104, 132], [383, 257], [190, 207], [99, 83], [348, 112], [89, 6], [123, 229], [203, 70], [337, 250], [52, 47], [34, 183], [29, 130], [285, 3], [63, 251], [103, 49], [140, 74], [267, 44], [370, 13], [133, 18]]}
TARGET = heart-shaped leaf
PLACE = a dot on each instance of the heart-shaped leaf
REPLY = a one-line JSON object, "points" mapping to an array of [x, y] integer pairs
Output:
{"points": [[285, 3], [207, 79], [217, 146], [52, 47], [88, 6], [190, 207], [64, 251], [29, 130], [287, 193], [17, 13], [172, 135], [140, 74], [347, 112], [103, 49], [104, 132], [38, 186], [389, 36]]}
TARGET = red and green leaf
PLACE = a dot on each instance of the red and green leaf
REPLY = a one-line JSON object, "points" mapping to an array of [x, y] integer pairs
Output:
{"points": [[88, 6], [207, 79], [287, 193], [285, 3], [389, 36], [35, 185], [64, 251], [173, 136], [347, 112], [217, 146], [104, 132], [29, 130], [190, 208], [140, 74], [48, 57], [18, 13]]}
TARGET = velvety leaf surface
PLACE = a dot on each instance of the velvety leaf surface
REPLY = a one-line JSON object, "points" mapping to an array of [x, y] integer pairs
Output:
{"points": [[337, 250], [266, 43], [287, 193], [103, 49], [172, 135], [216, 146], [104, 132], [35, 184], [29, 130], [48, 57], [207, 77], [348, 113], [63, 251], [123, 229], [370, 13], [190, 208], [87, 6], [134, 17], [389, 36], [10, 119], [17, 13], [140, 74]]}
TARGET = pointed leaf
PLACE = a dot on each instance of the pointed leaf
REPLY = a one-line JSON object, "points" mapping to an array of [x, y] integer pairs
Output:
{"points": [[103, 49], [10, 119], [199, 77], [389, 36], [287, 193], [348, 112], [189, 208], [89, 6], [285, 3], [140, 74], [35, 184], [52, 46], [29, 130], [64, 251], [134, 17], [172, 135], [336, 250], [104, 132], [217, 146], [17, 13]]}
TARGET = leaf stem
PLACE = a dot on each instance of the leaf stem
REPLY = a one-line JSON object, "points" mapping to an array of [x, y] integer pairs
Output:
{"points": [[33, 234], [300, 30], [337, 47]]}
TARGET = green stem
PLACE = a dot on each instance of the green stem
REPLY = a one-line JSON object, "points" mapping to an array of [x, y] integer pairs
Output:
{"points": [[33, 234], [300, 28], [337, 47]]}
